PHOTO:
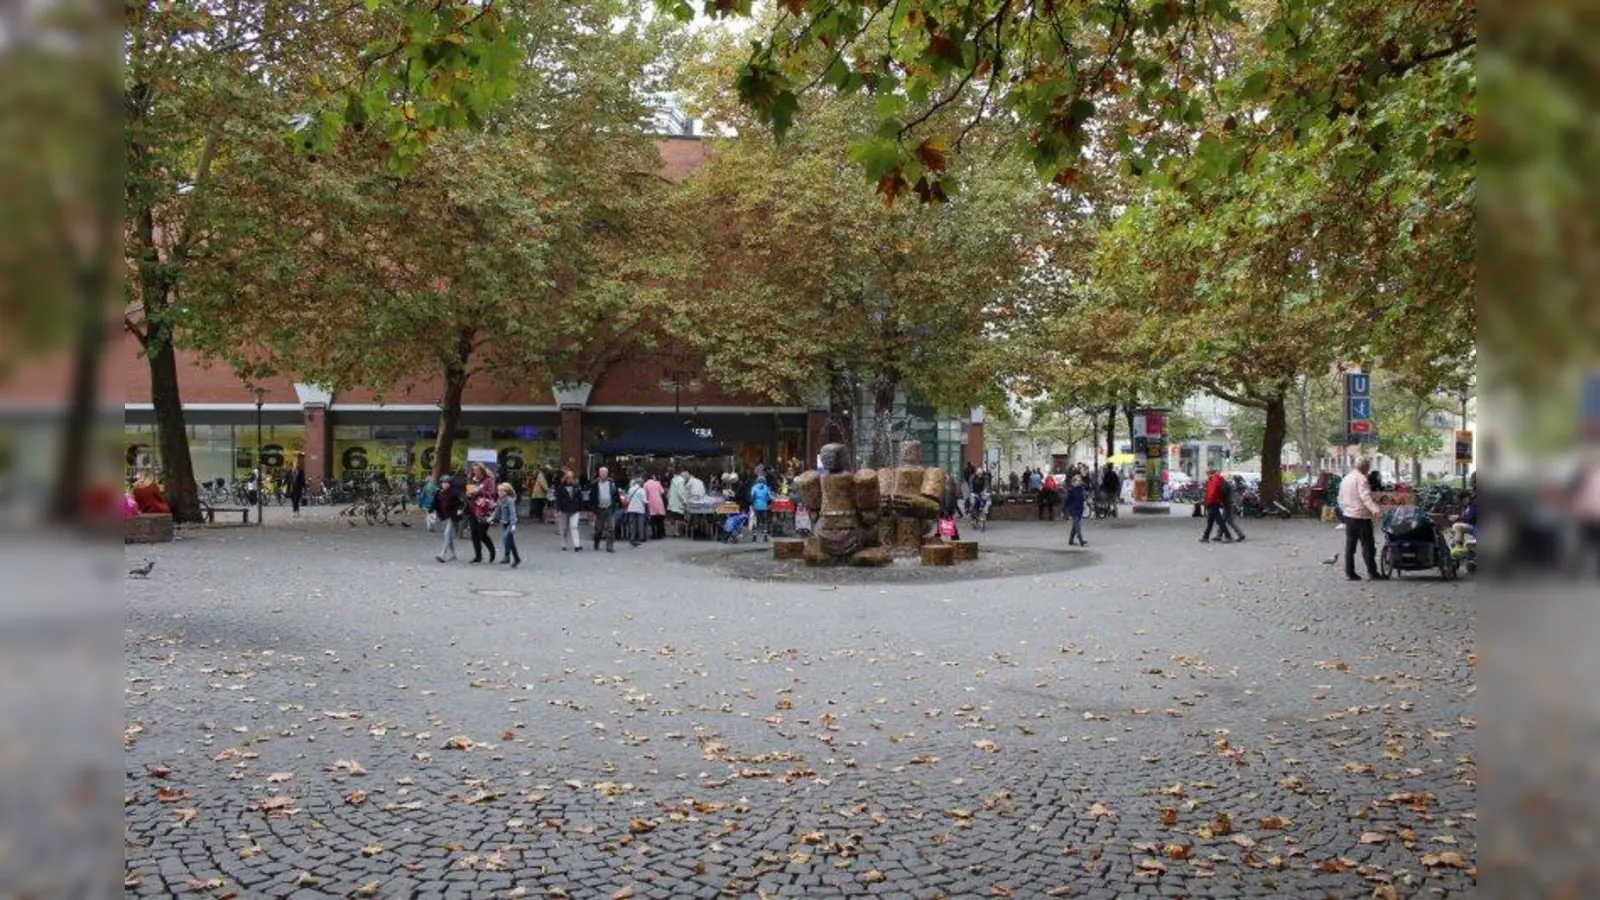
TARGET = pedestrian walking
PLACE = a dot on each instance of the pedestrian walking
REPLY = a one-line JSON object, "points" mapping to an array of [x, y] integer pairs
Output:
{"points": [[1360, 508], [538, 490], [605, 503], [297, 483], [761, 505], [637, 512], [569, 509], [1231, 491], [427, 501], [1077, 496], [656, 506], [1213, 504], [447, 507], [505, 514], [481, 506]]}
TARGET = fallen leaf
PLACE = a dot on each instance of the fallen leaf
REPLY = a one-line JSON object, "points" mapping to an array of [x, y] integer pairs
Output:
{"points": [[371, 850], [1099, 810], [874, 877], [1169, 816], [1152, 865], [1373, 837], [1385, 892], [643, 826], [155, 771], [184, 816], [1448, 859], [370, 889], [987, 746], [460, 742], [356, 798], [1273, 823], [1176, 851], [279, 777], [622, 893], [1243, 840]]}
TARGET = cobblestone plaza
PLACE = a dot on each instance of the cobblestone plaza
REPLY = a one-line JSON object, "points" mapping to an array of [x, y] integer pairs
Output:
{"points": [[318, 710]]}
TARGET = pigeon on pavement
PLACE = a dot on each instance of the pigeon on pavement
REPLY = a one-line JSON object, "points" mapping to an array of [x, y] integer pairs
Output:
{"points": [[143, 569], [1331, 560]]}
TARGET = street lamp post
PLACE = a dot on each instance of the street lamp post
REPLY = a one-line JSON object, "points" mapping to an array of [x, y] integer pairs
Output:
{"points": [[1464, 398], [260, 475]]}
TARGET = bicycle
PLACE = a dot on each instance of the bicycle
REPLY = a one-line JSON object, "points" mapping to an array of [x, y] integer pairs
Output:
{"points": [[978, 510]]}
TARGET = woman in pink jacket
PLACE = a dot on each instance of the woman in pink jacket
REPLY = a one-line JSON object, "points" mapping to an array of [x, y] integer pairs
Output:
{"points": [[656, 506]]}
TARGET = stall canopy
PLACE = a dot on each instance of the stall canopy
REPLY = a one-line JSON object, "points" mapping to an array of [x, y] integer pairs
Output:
{"points": [[660, 439]]}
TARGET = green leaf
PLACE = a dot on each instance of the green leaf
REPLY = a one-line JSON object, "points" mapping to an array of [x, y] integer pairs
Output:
{"points": [[878, 156]]}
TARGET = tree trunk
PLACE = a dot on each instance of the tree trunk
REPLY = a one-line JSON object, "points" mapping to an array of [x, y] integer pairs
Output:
{"points": [[67, 493], [884, 386], [1307, 451], [1272, 449], [455, 382], [1416, 470], [171, 434], [1111, 430]]}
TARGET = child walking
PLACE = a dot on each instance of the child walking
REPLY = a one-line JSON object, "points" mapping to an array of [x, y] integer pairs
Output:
{"points": [[506, 514], [1077, 497]]}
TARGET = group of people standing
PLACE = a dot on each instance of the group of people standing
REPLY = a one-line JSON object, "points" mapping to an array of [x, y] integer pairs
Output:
{"points": [[476, 502]]}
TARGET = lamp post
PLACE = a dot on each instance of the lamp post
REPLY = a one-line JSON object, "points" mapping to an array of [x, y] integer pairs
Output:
{"points": [[260, 480], [1465, 396]]}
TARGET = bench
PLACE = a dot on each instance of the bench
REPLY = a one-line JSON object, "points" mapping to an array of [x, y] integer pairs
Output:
{"points": [[210, 513], [148, 528]]}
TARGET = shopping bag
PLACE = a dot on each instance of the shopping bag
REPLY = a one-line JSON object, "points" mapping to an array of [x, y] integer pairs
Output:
{"points": [[947, 528], [802, 519]]}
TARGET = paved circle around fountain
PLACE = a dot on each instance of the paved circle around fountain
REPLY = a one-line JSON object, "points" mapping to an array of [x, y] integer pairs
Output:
{"points": [[754, 562]]}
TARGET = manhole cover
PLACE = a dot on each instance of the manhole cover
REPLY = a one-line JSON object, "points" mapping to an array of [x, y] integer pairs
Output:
{"points": [[499, 592]]}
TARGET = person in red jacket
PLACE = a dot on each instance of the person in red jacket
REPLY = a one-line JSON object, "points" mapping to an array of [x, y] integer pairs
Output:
{"points": [[1214, 500]]}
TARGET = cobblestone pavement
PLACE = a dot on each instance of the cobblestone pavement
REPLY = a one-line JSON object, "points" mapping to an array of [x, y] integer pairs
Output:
{"points": [[315, 710]]}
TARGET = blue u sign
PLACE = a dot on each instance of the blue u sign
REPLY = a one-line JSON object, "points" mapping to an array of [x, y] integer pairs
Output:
{"points": [[1358, 384]]}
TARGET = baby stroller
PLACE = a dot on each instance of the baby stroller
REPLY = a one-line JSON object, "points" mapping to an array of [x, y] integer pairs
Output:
{"points": [[1413, 543], [732, 526], [1105, 504]]}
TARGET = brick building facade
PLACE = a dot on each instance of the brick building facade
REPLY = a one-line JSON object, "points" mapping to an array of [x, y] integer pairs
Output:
{"points": [[352, 432]]}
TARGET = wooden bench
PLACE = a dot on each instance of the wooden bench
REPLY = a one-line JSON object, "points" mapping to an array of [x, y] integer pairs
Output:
{"points": [[965, 551], [788, 548], [148, 528], [938, 555], [210, 513]]}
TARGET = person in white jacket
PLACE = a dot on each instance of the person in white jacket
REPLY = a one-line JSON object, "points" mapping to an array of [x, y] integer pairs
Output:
{"points": [[1360, 509], [678, 502]]}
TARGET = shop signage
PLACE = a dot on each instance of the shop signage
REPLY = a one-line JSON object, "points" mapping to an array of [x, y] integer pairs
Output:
{"points": [[1358, 407]]}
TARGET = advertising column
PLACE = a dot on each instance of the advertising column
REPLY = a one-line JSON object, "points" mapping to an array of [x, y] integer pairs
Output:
{"points": [[1149, 454]]}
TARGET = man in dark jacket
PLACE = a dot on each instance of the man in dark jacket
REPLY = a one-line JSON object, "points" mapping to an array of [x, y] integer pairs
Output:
{"points": [[447, 506], [603, 500], [1231, 488]]}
